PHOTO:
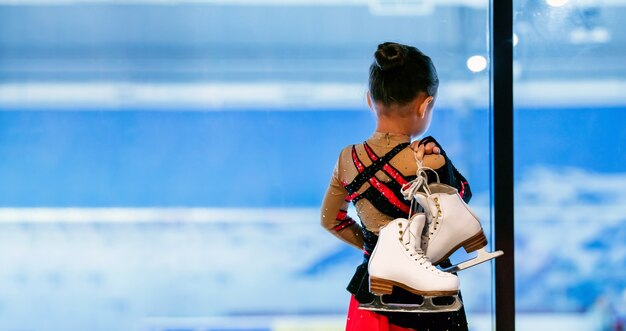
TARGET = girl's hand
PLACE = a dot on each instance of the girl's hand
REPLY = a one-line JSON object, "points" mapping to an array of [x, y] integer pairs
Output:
{"points": [[426, 149]]}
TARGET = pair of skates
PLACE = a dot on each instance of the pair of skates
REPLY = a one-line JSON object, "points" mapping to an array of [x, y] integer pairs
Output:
{"points": [[409, 249]]}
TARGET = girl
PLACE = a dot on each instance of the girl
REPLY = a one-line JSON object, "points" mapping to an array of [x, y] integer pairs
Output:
{"points": [[402, 91]]}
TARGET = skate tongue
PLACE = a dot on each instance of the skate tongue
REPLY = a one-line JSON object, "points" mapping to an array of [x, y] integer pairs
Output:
{"points": [[415, 227]]}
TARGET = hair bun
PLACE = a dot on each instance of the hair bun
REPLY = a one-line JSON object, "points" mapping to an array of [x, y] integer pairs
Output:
{"points": [[390, 55]]}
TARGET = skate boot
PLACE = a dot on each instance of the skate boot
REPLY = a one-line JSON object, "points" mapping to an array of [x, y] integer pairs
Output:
{"points": [[451, 224], [398, 261]]}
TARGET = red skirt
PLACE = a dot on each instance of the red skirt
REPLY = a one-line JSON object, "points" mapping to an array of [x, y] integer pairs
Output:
{"points": [[366, 320]]}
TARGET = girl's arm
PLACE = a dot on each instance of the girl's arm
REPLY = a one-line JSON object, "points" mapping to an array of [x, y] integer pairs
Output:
{"points": [[334, 213], [457, 180]]}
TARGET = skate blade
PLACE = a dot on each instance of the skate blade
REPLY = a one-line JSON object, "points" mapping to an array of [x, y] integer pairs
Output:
{"points": [[483, 256], [428, 306]]}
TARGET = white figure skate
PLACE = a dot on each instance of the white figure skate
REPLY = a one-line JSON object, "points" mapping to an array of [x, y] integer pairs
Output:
{"points": [[398, 261], [451, 223]]}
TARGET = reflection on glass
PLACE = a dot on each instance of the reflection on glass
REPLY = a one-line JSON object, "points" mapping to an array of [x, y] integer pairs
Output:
{"points": [[163, 163], [569, 140]]}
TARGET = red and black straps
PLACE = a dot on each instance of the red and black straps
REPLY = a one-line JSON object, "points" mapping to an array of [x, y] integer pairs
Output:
{"points": [[344, 220], [388, 194], [350, 196], [370, 152], [462, 192], [376, 183], [365, 173], [342, 215], [344, 225], [387, 168], [357, 162]]}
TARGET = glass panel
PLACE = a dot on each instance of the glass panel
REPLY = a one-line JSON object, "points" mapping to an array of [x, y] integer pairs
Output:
{"points": [[163, 163], [570, 84]]}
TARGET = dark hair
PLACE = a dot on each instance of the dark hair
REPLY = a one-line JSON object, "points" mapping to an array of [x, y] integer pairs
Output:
{"points": [[399, 73]]}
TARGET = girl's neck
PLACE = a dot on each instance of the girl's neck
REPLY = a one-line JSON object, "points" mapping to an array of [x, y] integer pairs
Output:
{"points": [[386, 139], [386, 125]]}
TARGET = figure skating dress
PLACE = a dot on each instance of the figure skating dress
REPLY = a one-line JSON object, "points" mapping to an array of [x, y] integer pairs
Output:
{"points": [[370, 175]]}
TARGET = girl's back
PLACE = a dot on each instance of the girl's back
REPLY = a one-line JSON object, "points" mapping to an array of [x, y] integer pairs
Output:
{"points": [[402, 91]]}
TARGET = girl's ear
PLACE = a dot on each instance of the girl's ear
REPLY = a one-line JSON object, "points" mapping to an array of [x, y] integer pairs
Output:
{"points": [[369, 100], [422, 106]]}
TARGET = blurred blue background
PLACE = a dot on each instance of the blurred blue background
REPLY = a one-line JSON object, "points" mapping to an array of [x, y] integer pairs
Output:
{"points": [[162, 163]]}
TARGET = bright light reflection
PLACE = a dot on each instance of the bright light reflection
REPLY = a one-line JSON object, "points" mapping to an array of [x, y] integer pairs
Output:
{"points": [[515, 39], [557, 3], [477, 63]]}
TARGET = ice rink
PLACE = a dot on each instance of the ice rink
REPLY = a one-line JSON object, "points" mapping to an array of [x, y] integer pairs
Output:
{"points": [[132, 255]]}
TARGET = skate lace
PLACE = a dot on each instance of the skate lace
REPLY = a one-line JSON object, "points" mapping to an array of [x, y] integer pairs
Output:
{"points": [[416, 253], [420, 184]]}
